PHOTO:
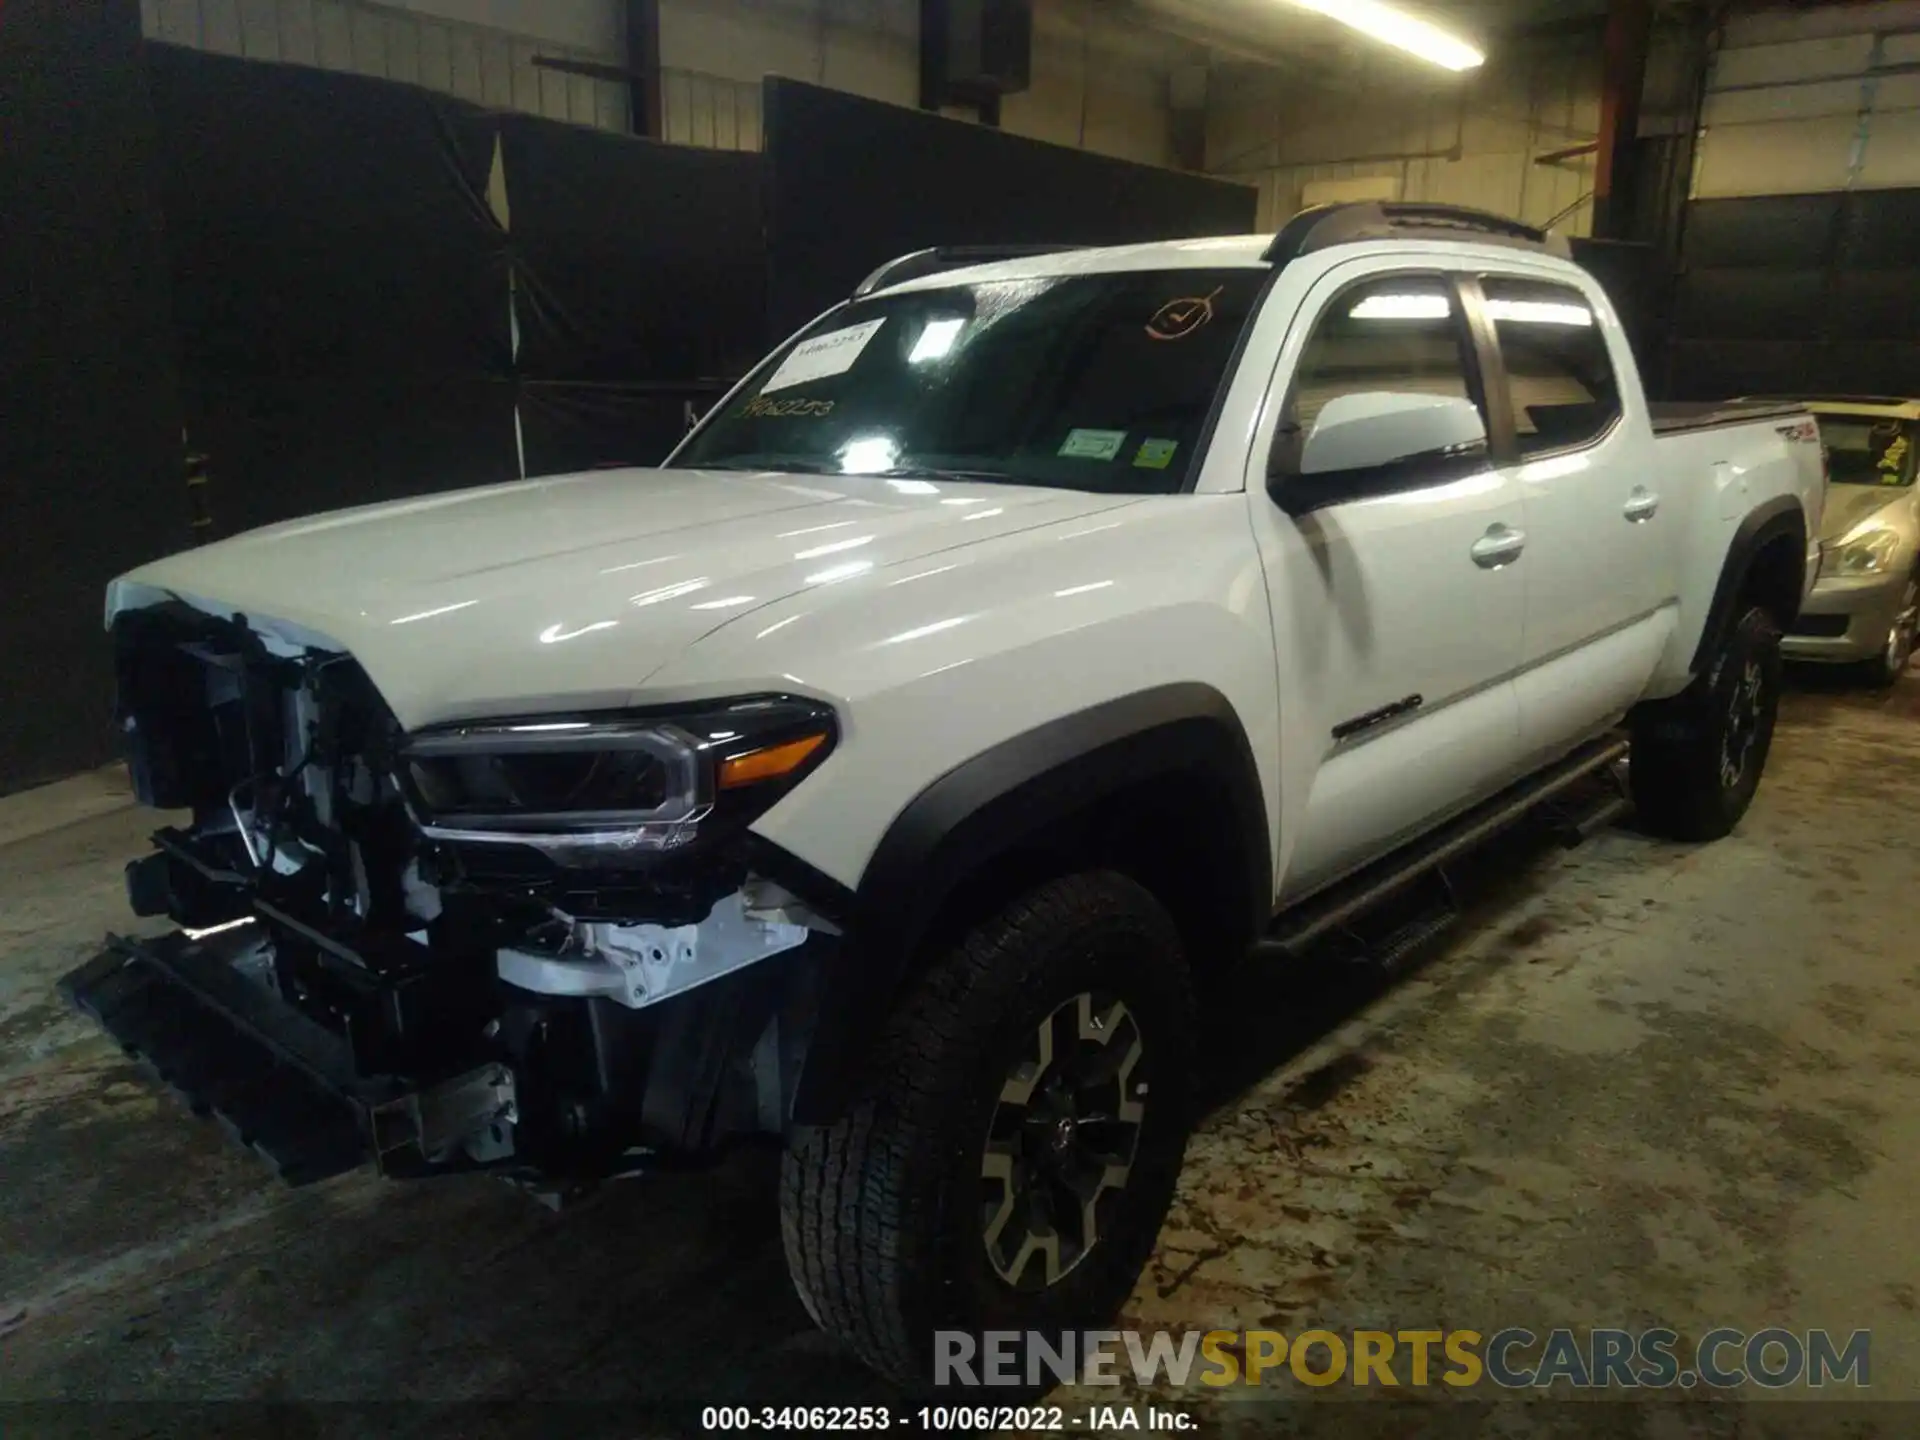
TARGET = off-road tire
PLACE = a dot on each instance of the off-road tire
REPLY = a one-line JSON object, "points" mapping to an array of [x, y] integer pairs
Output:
{"points": [[883, 1213], [1681, 746]]}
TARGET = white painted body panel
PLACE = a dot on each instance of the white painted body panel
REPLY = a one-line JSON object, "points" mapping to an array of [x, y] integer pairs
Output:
{"points": [[942, 619], [933, 662], [569, 592], [1571, 697], [1374, 602], [1589, 567], [1746, 466]]}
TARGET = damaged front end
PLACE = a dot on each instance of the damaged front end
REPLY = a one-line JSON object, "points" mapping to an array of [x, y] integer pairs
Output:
{"points": [[529, 945]]}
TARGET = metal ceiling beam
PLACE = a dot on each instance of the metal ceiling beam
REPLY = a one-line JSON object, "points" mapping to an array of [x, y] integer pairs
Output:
{"points": [[643, 61], [1629, 37]]}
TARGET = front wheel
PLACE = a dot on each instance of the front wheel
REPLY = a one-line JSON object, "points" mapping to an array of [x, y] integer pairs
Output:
{"points": [[1697, 758], [1016, 1140], [1885, 669]]}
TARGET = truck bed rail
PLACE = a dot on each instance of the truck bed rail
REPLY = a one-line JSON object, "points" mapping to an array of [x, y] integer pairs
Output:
{"points": [[1676, 417]]}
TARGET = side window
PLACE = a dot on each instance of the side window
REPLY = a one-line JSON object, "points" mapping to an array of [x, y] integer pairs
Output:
{"points": [[1401, 333], [1559, 375]]}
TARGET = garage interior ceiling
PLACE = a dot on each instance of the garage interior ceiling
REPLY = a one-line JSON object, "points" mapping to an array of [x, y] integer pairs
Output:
{"points": [[1287, 37]]}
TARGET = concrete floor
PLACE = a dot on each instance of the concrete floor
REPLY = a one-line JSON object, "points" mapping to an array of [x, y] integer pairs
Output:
{"points": [[1644, 1084]]}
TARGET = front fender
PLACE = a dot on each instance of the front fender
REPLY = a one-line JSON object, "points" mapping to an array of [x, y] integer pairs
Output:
{"points": [[996, 803]]}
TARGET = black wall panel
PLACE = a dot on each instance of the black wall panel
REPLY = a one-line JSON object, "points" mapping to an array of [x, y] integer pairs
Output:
{"points": [[1877, 367], [1801, 294], [1631, 274], [852, 183], [1772, 232], [1719, 369], [358, 321], [634, 260], [1875, 304], [340, 286], [570, 427], [90, 479], [322, 223], [283, 448], [1751, 304], [1880, 228]]}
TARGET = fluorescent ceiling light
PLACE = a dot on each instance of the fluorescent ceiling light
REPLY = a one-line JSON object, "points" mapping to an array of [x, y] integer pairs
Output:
{"points": [[1401, 307], [1395, 27], [1539, 312], [936, 341], [833, 547], [868, 454]]}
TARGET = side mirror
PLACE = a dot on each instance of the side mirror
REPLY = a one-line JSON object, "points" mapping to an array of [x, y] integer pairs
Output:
{"points": [[1378, 443]]}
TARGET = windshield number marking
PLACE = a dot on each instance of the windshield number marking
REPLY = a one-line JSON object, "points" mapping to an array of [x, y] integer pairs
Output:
{"points": [[823, 356]]}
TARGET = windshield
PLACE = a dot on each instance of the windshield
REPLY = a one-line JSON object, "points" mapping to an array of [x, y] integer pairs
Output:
{"points": [[1088, 382], [1864, 451]]}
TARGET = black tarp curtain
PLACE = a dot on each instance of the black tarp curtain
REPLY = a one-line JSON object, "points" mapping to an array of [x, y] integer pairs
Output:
{"points": [[381, 291], [851, 183], [89, 411]]}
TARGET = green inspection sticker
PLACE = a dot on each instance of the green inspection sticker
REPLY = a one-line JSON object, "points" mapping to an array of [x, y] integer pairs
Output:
{"points": [[1093, 444], [1155, 454]]}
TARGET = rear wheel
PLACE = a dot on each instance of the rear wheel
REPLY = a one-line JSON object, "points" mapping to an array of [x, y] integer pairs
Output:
{"points": [[1017, 1136], [1698, 758]]}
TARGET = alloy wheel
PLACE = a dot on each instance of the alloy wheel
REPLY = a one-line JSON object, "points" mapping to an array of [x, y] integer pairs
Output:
{"points": [[1061, 1144], [1745, 718], [1900, 635]]}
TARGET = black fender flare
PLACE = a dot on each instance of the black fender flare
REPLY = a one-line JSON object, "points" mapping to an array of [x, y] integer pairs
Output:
{"points": [[1780, 517], [986, 808]]}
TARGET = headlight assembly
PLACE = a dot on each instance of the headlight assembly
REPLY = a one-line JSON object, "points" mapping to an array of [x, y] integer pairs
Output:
{"points": [[1869, 552], [598, 791]]}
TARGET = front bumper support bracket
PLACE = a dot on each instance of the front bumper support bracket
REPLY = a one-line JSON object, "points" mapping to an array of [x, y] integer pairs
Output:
{"points": [[281, 1084]]}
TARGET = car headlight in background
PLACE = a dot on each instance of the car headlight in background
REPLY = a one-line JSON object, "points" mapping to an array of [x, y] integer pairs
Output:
{"points": [[598, 791], [1867, 552]]}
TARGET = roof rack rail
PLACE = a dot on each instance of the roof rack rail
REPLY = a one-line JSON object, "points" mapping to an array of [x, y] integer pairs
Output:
{"points": [[949, 257], [1322, 226]]}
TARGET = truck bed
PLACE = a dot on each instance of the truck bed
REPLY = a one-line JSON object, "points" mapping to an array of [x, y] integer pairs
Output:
{"points": [[1675, 416]]}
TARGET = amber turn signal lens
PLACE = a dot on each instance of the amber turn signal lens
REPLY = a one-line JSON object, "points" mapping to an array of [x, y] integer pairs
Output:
{"points": [[770, 763]]}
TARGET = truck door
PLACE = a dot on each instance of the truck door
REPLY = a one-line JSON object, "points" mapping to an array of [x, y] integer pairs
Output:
{"points": [[1599, 527], [1397, 612]]}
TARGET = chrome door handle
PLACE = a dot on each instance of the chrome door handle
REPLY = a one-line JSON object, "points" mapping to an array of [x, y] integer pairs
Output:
{"points": [[1500, 546], [1640, 505]]}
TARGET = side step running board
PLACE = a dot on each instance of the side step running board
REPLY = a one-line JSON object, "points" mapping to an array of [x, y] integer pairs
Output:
{"points": [[1342, 903], [1400, 946]]}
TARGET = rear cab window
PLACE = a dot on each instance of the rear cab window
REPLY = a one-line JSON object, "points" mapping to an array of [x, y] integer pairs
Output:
{"points": [[1103, 382], [1561, 383]]}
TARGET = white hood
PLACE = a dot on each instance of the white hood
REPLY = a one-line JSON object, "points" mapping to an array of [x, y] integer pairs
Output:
{"points": [[572, 590]]}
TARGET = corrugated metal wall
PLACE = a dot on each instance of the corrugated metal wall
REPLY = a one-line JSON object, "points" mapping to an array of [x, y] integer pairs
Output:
{"points": [[1475, 141], [473, 61], [709, 110], [1806, 101], [1097, 84]]}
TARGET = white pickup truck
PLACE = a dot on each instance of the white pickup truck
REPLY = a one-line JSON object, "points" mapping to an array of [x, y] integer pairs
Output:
{"points": [[1029, 638]]}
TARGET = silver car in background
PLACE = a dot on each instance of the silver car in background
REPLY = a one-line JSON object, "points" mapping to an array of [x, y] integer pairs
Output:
{"points": [[1865, 607]]}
